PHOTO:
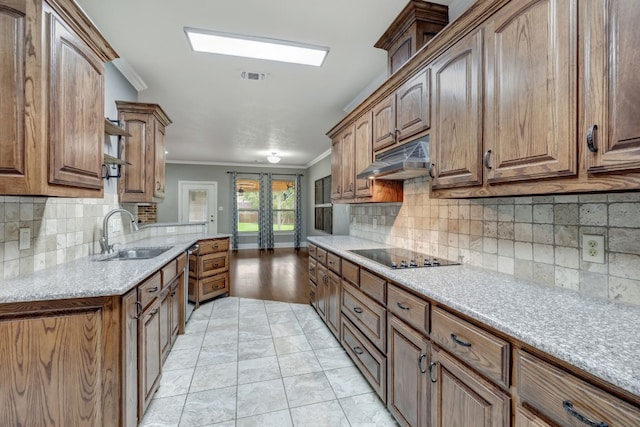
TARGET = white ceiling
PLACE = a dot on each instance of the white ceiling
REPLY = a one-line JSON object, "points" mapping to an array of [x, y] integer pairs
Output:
{"points": [[217, 116]]}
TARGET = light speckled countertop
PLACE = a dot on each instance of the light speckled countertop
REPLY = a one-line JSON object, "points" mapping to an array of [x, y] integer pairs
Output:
{"points": [[86, 277], [596, 335]]}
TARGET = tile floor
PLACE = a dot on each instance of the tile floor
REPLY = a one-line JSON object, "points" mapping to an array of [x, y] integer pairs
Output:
{"points": [[246, 362]]}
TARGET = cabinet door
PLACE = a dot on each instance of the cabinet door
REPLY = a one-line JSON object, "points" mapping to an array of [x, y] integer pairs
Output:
{"points": [[408, 385], [348, 174], [456, 143], [323, 284], [531, 94], [177, 307], [384, 123], [333, 303], [336, 169], [131, 313], [76, 116], [12, 99], [363, 153], [136, 149], [149, 358], [459, 397], [611, 85], [413, 104], [165, 323], [160, 159]]}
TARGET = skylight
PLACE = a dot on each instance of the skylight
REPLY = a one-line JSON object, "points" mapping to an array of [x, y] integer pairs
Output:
{"points": [[255, 47]]}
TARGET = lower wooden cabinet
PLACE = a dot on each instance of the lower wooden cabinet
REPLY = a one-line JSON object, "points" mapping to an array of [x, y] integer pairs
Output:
{"points": [[323, 280], [333, 303], [130, 314], [209, 270], [408, 374], [460, 397], [525, 418], [149, 361]]}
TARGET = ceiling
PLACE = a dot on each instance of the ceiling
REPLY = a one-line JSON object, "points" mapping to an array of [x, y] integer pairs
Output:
{"points": [[217, 116]]}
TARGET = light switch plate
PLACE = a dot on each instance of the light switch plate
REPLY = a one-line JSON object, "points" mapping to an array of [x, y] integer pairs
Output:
{"points": [[25, 238], [593, 248]]}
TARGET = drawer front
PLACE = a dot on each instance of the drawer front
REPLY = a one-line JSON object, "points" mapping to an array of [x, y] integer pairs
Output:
{"points": [[149, 290], [313, 270], [214, 286], [366, 314], [333, 262], [563, 398], [321, 256], [313, 251], [483, 351], [215, 245], [214, 263], [370, 361], [169, 272], [350, 272], [373, 286], [409, 308]]}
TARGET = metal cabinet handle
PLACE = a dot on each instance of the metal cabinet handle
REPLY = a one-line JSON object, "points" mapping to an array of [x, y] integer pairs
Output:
{"points": [[591, 139], [396, 131], [404, 307], [486, 159], [457, 340], [173, 294], [154, 289], [158, 186], [420, 359], [431, 366], [358, 350], [357, 310], [568, 406], [154, 312], [138, 310], [432, 167]]}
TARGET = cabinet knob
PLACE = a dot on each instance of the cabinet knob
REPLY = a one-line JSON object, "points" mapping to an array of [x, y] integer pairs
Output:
{"points": [[591, 137], [432, 167], [486, 159], [158, 185]]}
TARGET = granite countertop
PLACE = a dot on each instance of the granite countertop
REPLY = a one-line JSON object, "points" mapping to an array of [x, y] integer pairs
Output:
{"points": [[597, 335], [87, 277]]}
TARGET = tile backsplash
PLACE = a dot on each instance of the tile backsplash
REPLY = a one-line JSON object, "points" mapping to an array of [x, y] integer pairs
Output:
{"points": [[62, 230], [537, 238]]}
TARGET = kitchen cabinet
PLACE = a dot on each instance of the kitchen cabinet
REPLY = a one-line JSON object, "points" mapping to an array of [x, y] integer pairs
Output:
{"points": [[143, 180], [367, 315], [322, 292], [460, 397], [456, 144], [130, 316], [363, 154], [408, 367], [209, 270], [525, 418], [611, 84], [328, 298], [402, 114], [52, 109], [149, 342], [336, 168]]}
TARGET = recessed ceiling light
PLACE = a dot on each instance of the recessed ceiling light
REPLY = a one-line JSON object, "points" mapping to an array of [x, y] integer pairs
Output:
{"points": [[273, 158], [255, 47]]}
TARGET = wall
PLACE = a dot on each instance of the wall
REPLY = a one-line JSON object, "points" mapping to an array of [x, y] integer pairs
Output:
{"points": [[168, 209], [340, 212], [537, 238]]}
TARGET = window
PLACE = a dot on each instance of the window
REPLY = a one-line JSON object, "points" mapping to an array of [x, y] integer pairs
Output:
{"points": [[248, 198], [283, 204]]}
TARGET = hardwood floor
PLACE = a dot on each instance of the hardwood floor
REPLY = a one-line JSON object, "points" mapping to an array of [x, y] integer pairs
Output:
{"points": [[278, 275]]}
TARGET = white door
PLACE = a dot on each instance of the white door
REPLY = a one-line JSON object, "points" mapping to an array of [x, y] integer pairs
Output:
{"points": [[198, 202]]}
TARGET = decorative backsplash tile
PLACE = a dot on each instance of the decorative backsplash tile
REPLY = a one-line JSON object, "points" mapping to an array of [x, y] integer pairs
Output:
{"points": [[537, 238]]}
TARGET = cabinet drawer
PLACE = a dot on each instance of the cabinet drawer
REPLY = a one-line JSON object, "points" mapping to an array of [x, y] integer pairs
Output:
{"points": [[313, 251], [321, 256], [488, 354], [214, 263], [169, 272], [369, 360], [373, 286], [214, 286], [313, 270], [410, 308], [150, 289], [563, 397], [350, 272], [216, 245], [333, 262], [366, 314]]}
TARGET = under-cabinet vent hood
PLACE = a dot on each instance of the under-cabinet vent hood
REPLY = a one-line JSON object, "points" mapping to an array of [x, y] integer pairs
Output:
{"points": [[407, 161]]}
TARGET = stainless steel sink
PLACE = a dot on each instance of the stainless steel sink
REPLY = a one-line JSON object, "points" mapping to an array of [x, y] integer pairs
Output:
{"points": [[135, 253]]}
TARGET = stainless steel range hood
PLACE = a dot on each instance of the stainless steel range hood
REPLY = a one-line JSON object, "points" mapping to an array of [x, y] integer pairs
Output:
{"points": [[410, 160]]}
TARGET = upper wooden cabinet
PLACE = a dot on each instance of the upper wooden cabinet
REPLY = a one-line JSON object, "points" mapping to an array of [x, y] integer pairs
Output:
{"points": [[144, 180], [348, 171], [611, 86], [456, 151], [336, 168], [52, 100], [402, 114], [363, 153], [531, 82]]}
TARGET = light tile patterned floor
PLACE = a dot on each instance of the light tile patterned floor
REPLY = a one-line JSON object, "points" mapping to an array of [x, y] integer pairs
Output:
{"points": [[245, 362]]}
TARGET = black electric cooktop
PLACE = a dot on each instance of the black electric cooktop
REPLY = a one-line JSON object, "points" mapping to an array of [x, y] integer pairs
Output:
{"points": [[402, 258]]}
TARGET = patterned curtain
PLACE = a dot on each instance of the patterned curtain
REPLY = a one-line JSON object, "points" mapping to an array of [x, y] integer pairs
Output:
{"points": [[265, 232], [234, 211], [298, 225]]}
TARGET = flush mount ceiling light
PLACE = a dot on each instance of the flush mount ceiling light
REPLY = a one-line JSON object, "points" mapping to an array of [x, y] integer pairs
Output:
{"points": [[255, 47], [273, 158]]}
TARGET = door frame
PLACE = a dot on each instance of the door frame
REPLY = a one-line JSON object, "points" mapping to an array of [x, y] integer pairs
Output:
{"points": [[213, 210]]}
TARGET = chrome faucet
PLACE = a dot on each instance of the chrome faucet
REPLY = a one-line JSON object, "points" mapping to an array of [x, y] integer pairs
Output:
{"points": [[104, 240]]}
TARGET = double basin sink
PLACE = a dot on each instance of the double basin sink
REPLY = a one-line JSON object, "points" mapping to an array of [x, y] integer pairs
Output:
{"points": [[135, 254]]}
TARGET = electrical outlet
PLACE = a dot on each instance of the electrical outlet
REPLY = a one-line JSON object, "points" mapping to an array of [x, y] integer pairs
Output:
{"points": [[25, 238], [593, 248]]}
